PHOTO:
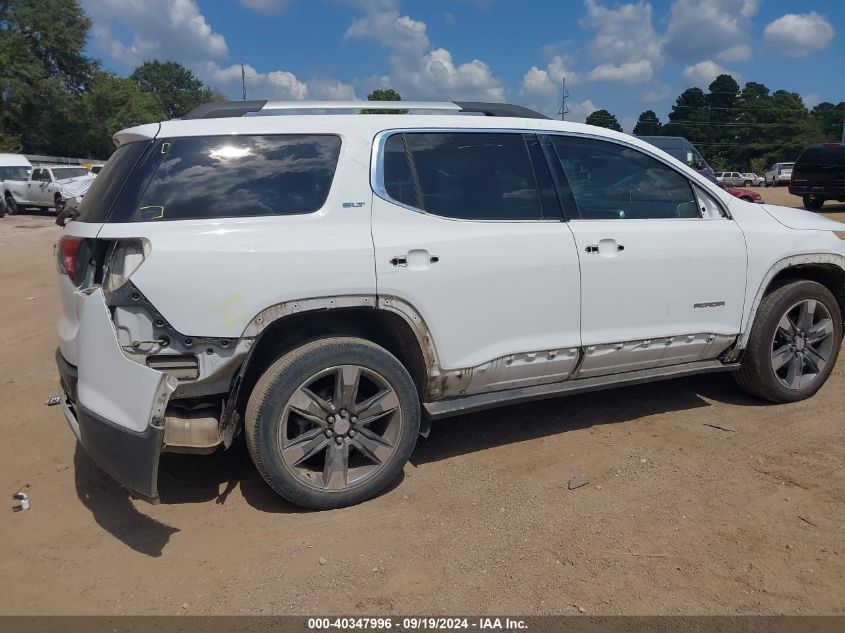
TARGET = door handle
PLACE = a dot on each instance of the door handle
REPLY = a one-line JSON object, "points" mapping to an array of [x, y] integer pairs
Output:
{"points": [[420, 259], [594, 248]]}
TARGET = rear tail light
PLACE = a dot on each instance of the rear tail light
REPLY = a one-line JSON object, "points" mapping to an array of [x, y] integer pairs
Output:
{"points": [[68, 257], [126, 258]]}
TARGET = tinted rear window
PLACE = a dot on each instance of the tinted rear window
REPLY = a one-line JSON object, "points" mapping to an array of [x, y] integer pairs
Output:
{"points": [[239, 176], [822, 157], [475, 176], [104, 190]]}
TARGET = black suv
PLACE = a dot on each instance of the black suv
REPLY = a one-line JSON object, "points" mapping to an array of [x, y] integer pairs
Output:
{"points": [[819, 175]]}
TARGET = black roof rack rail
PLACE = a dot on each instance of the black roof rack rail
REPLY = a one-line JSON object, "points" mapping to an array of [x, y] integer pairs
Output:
{"points": [[499, 109], [220, 109]]}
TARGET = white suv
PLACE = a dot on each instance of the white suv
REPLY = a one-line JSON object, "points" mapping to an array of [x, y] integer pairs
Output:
{"points": [[330, 283]]}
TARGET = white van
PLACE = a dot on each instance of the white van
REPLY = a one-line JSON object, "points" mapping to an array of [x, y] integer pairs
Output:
{"points": [[12, 167]]}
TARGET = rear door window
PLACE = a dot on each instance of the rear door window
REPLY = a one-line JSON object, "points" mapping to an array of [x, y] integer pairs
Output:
{"points": [[239, 176], [466, 175], [822, 157]]}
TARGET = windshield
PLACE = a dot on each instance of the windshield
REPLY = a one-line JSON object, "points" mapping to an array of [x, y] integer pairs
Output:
{"points": [[14, 173], [63, 173]]}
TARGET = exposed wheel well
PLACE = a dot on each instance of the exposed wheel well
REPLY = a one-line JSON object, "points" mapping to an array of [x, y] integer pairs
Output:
{"points": [[830, 276], [387, 329]]}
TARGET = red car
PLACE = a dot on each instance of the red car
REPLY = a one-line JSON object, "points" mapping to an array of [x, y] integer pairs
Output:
{"points": [[744, 194]]}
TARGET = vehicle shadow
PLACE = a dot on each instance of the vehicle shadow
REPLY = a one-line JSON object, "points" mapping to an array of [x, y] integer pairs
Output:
{"points": [[187, 479], [112, 508], [517, 423]]}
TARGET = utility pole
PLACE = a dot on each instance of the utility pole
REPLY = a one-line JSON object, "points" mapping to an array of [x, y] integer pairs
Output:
{"points": [[564, 95], [243, 77], [843, 129]]}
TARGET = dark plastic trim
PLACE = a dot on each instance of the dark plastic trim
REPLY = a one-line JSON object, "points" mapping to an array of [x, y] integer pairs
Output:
{"points": [[223, 109], [499, 109]]}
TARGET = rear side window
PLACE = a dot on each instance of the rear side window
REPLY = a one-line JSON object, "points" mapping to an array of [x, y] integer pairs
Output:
{"points": [[106, 186], [821, 157], [614, 182], [239, 176], [468, 176], [397, 174]]}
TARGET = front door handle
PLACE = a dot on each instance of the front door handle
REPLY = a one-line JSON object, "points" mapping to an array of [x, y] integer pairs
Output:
{"points": [[606, 247], [399, 261]]}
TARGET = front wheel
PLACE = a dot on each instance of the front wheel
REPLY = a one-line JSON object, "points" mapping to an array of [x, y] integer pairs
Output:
{"points": [[332, 423], [747, 183], [794, 343], [12, 206], [59, 204]]}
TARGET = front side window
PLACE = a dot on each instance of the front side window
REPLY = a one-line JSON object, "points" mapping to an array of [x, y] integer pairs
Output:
{"points": [[614, 182], [464, 175], [63, 173], [239, 176]]}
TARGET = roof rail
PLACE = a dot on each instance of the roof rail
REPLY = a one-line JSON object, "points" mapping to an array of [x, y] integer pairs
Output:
{"points": [[221, 109]]}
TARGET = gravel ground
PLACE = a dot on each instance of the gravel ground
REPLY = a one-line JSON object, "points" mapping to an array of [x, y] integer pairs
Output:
{"points": [[699, 500]]}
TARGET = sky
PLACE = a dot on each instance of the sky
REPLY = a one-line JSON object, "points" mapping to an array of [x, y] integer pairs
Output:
{"points": [[625, 57]]}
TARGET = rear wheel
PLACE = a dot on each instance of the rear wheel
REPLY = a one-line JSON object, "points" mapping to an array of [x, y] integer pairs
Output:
{"points": [[747, 183], [332, 423], [794, 343], [813, 203]]}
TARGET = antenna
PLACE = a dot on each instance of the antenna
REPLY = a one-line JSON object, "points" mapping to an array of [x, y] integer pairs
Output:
{"points": [[564, 95], [243, 78]]}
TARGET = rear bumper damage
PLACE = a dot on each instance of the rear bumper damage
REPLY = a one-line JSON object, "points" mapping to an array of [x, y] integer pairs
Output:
{"points": [[115, 407]]}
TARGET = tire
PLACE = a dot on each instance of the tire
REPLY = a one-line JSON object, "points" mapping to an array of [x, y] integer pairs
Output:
{"points": [[301, 393], [58, 204], [813, 203], [747, 184], [780, 319], [12, 206]]}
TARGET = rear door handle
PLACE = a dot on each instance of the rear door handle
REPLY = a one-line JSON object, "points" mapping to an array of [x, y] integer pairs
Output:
{"points": [[416, 259], [399, 261]]}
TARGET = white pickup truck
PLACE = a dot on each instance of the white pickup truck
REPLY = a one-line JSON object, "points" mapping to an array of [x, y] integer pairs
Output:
{"points": [[47, 187]]}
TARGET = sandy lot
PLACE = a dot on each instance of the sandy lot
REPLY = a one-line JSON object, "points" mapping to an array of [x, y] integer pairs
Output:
{"points": [[701, 500]]}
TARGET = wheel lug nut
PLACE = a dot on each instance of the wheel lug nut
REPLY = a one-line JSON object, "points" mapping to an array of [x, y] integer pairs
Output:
{"points": [[353, 419], [329, 433], [343, 413], [331, 419], [339, 439], [351, 432]]}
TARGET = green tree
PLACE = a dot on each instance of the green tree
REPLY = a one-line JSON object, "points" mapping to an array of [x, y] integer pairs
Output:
{"points": [[177, 89], [603, 118], [44, 71], [648, 124], [111, 104], [831, 120], [383, 94]]}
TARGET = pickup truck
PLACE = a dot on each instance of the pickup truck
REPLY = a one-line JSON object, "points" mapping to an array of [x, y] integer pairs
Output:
{"points": [[47, 187]]}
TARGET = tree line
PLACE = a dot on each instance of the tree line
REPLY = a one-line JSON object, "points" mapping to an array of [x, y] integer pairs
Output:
{"points": [[55, 100], [744, 129]]}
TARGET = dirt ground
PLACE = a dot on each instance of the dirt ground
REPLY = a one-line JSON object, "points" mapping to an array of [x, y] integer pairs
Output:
{"points": [[700, 501]]}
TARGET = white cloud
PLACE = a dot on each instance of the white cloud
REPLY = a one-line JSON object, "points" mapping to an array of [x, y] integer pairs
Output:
{"points": [[624, 33], [267, 6], [177, 30], [416, 69], [580, 110], [629, 72], [703, 73], [798, 35], [161, 29], [656, 92], [811, 100], [710, 28]]}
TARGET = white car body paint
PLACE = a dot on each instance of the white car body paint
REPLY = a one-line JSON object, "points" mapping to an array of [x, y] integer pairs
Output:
{"points": [[498, 289], [110, 385]]}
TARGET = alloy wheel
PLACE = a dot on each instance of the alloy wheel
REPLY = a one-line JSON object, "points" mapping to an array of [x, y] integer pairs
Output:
{"points": [[340, 427], [803, 344]]}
